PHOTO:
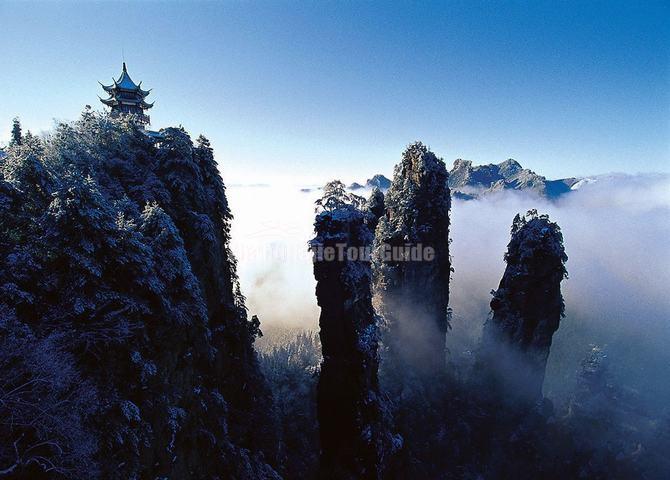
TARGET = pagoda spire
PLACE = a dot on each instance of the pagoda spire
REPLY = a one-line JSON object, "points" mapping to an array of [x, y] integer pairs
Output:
{"points": [[127, 97]]}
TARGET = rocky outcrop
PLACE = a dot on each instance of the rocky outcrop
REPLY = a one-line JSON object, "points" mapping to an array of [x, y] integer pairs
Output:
{"points": [[348, 401], [200, 210], [376, 207], [526, 310], [412, 286]]}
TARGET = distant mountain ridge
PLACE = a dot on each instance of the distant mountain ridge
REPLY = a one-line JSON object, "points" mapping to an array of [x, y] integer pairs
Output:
{"points": [[378, 181], [467, 181]]}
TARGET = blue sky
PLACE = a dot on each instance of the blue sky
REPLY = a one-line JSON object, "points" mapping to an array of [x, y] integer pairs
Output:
{"points": [[308, 91]]}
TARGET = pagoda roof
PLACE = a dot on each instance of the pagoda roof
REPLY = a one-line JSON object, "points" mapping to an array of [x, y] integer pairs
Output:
{"points": [[125, 83], [112, 101]]}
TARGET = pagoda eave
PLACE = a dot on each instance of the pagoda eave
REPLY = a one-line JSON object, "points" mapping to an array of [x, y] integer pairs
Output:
{"points": [[110, 102], [107, 88]]}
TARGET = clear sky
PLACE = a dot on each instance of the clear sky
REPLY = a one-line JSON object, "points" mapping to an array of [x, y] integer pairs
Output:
{"points": [[316, 90]]}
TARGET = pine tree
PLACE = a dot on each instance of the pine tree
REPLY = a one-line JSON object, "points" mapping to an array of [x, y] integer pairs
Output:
{"points": [[212, 182], [17, 138]]}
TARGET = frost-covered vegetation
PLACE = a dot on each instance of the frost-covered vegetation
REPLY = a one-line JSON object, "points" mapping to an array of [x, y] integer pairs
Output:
{"points": [[291, 365], [125, 345], [467, 419], [126, 351], [414, 296]]}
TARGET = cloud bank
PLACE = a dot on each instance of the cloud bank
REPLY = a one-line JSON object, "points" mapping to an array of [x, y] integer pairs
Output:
{"points": [[616, 230]]}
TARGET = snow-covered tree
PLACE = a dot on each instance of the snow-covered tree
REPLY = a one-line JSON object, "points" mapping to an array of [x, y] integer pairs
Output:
{"points": [[214, 187], [179, 289], [292, 369], [44, 406], [17, 137], [178, 168]]}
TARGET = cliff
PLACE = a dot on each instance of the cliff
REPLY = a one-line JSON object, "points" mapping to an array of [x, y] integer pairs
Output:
{"points": [[120, 299]]}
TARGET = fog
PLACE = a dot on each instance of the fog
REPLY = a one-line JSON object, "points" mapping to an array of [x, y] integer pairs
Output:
{"points": [[616, 232], [270, 231]]}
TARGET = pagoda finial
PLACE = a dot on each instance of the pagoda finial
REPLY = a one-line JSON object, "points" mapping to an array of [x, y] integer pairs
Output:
{"points": [[124, 67]]}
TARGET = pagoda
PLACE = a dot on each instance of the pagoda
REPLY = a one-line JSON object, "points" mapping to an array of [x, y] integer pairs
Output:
{"points": [[127, 97]]}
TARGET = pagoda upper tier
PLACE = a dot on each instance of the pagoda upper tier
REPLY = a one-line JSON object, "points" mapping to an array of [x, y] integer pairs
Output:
{"points": [[125, 96]]}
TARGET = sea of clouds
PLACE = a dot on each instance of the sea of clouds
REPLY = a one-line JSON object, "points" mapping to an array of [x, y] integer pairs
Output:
{"points": [[616, 230]]}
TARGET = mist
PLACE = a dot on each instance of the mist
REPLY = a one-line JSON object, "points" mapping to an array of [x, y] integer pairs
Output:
{"points": [[615, 228], [616, 236], [270, 231]]}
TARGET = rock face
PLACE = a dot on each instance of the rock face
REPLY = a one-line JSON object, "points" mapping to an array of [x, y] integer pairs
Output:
{"points": [[120, 290], [413, 292], [348, 401], [468, 181], [375, 207], [526, 309]]}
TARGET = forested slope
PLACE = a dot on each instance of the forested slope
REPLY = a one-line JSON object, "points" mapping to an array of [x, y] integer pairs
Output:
{"points": [[125, 343]]}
